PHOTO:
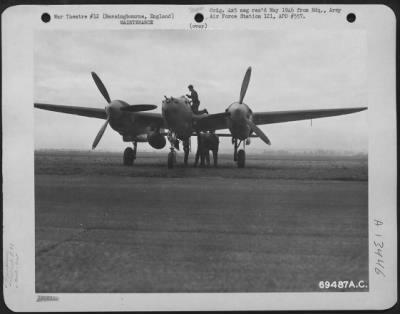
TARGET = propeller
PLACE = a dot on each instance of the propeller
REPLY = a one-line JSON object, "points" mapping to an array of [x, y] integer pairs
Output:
{"points": [[127, 108], [99, 135], [250, 123], [245, 84], [258, 131], [101, 87], [103, 91]]}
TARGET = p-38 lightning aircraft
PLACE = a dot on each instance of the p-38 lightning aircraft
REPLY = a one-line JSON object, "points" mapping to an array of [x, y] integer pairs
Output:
{"points": [[177, 117]]}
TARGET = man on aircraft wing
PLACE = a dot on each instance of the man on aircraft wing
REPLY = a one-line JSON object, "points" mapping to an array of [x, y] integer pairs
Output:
{"points": [[195, 101]]}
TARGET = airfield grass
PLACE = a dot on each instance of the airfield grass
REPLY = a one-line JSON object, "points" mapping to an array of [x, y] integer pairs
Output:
{"points": [[282, 224]]}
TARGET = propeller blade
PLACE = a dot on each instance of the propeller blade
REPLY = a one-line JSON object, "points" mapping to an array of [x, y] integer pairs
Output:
{"points": [[101, 87], [245, 84], [258, 131], [99, 135], [137, 108]]}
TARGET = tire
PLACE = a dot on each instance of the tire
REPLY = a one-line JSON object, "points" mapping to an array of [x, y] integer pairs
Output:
{"points": [[171, 160], [128, 156], [241, 158]]}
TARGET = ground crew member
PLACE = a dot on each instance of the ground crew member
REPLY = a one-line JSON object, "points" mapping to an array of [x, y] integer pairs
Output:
{"points": [[195, 101], [200, 150], [206, 142]]}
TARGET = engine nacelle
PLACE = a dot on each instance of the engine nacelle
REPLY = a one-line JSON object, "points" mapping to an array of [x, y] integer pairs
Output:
{"points": [[156, 140]]}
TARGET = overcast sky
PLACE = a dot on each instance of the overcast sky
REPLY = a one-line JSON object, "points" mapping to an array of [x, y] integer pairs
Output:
{"points": [[291, 70]]}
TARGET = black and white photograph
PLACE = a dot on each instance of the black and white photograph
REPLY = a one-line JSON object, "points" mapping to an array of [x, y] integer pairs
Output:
{"points": [[193, 161], [281, 206]]}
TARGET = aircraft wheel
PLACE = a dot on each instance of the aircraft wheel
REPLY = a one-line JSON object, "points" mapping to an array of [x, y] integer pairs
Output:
{"points": [[241, 158], [128, 156], [171, 160]]}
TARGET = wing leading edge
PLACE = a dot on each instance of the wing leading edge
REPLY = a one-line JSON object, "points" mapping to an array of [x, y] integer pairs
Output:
{"points": [[296, 115], [80, 111]]}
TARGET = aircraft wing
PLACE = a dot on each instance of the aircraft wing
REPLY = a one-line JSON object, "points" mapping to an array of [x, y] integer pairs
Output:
{"points": [[152, 118], [80, 111], [295, 115], [148, 118], [218, 121], [211, 122]]}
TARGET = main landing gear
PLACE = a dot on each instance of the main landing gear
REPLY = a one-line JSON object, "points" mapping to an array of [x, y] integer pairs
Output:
{"points": [[239, 156], [130, 155]]}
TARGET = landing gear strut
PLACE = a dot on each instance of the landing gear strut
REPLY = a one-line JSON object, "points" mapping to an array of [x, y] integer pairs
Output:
{"points": [[239, 156], [172, 154], [171, 158], [186, 148], [130, 155], [235, 147]]}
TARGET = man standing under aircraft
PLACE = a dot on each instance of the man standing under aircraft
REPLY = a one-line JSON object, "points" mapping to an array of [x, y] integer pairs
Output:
{"points": [[201, 150], [195, 101], [205, 142]]}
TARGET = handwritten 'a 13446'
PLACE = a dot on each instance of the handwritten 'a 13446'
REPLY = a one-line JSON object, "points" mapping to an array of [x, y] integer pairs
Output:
{"points": [[378, 249]]}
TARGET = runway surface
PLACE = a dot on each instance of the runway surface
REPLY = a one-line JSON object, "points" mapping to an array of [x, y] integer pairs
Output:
{"points": [[282, 224]]}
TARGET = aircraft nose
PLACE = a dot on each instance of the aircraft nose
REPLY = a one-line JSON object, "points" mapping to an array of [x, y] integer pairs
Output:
{"points": [[169, 108]]}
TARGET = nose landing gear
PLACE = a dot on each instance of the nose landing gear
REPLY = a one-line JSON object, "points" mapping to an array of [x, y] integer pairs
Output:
{"points": [[186, 149], [172, 154], [171, 158], [130, 155], [175, 144]]}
